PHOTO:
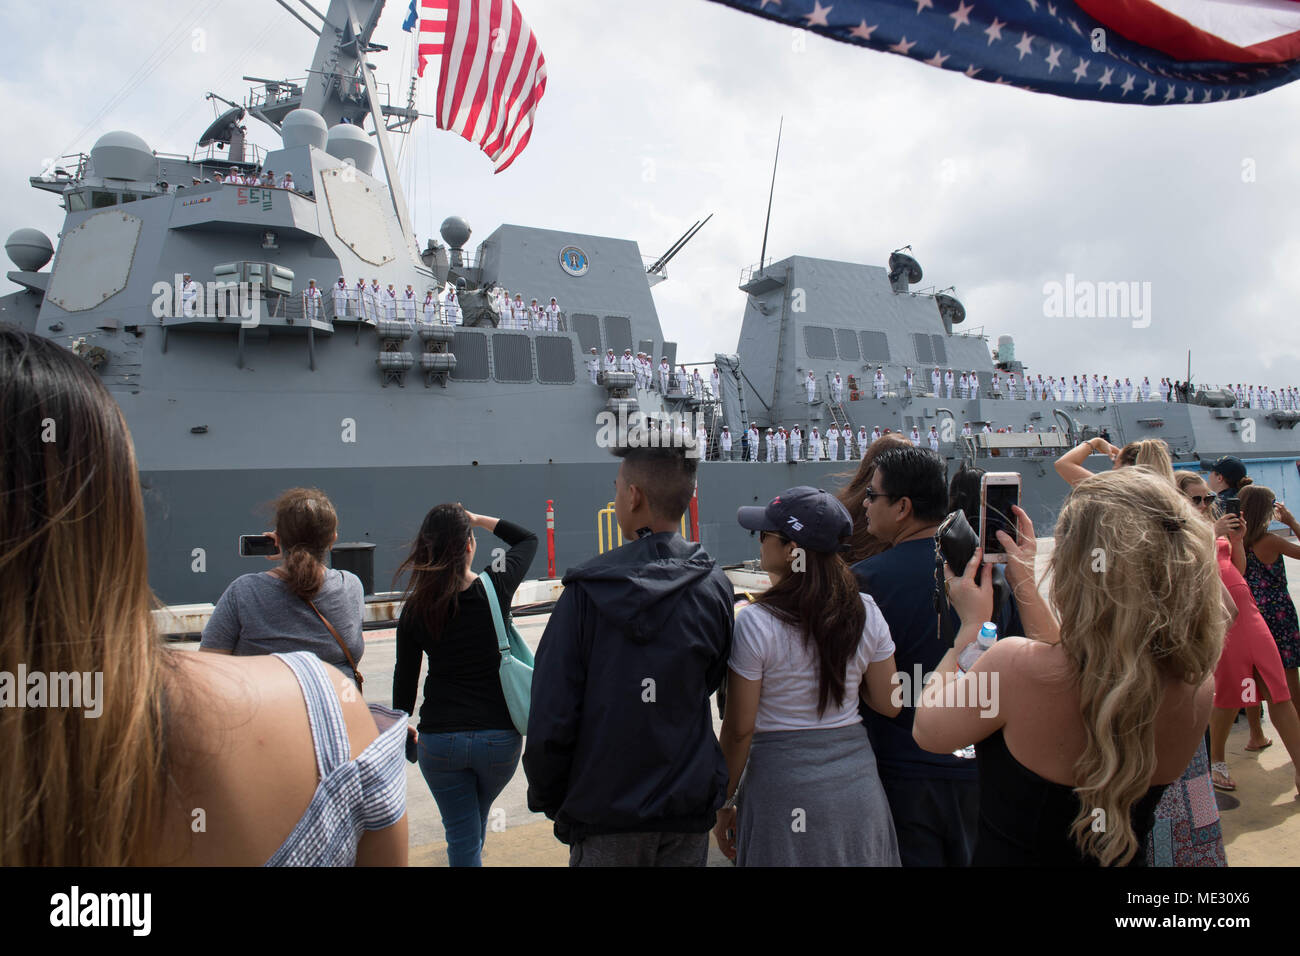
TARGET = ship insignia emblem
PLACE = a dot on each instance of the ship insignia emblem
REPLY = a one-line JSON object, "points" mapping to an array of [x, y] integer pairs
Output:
{"points": [[573, 261]]}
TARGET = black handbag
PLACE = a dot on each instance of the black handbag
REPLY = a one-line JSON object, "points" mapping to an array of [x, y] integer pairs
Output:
{"points": [[954, 544]]}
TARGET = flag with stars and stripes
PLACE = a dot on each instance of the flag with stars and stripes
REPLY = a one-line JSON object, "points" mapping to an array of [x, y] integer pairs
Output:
{"points": [[491, 72], [1150, 52]]}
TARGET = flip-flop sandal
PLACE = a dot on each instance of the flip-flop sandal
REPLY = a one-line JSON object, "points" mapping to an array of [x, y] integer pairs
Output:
{"points": [[1221, 770], [1264, 746]]}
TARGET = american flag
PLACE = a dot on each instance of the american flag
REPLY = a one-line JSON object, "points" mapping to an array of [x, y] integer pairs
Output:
{"points": [[1148, 52], [491, 73]]}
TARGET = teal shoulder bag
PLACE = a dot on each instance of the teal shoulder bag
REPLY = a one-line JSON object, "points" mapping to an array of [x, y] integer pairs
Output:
{"points": [[516, 660]]}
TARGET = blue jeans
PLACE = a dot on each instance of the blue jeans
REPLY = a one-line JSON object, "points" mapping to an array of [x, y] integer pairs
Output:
{"points": [[466, 771]]}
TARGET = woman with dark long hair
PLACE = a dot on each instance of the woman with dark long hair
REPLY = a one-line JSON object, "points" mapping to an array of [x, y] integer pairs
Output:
{"points": [[260, 744], [1266, 574], [802, 656], [468, 746], [302, 605]]}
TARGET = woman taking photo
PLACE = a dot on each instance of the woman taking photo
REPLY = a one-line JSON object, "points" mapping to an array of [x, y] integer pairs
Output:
{"points": [[301, 605], [468, 746], [1266, 574], [802, 655], [271, 747], [1150, 452], [1095, 715]]}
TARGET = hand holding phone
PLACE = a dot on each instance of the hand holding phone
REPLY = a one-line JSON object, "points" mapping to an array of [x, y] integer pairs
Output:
{"points": [[999, 495], [259, 545]]}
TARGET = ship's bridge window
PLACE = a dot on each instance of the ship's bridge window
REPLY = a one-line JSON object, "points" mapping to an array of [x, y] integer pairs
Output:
{"points": [[555, 359], [940, 350], [618, 333], [101, 199], [129, 197], [513, 357], [924, 348], [875, 346], [76, 201], [848, 345], [819, 342], [471, 351], [588, 329]]}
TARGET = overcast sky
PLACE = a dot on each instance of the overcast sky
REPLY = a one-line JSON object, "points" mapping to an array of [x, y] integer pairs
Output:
{"points": [[657, 114]]}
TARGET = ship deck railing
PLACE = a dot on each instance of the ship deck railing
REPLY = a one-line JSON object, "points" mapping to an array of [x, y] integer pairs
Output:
{"points": [[1016, 444]]}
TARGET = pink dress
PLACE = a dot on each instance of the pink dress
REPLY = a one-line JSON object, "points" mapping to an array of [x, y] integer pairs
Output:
{"points": [[1248, 646]]}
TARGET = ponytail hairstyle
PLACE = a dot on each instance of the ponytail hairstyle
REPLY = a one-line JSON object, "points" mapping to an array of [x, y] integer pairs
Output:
{"points": [[1256, 512], [1151, 613], [437, 566], [306, 524]]}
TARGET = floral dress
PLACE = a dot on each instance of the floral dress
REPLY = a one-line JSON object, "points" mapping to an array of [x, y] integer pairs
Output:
{"points": [[1268, 585]]}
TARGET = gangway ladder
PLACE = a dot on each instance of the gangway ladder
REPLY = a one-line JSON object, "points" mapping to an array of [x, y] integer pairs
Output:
{"points": [[712, 414]]}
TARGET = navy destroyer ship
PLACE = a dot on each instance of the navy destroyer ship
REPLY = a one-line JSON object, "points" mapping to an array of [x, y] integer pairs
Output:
{"points": [[246, 382]]}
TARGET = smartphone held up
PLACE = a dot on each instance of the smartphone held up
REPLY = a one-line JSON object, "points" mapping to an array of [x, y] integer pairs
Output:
{"points": [[257, 546], [999, 493]]}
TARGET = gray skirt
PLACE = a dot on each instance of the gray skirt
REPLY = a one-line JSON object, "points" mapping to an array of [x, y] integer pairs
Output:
{"points": [[813, 798]]}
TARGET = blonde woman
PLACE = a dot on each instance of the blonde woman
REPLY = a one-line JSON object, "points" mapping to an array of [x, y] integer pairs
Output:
{"points": [[1150, 452], [240, 737], [1092, 718]]}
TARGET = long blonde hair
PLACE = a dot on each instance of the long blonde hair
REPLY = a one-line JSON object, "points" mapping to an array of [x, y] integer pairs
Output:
{"points": [[76, 790], [1151, 453], [1135, 584]]}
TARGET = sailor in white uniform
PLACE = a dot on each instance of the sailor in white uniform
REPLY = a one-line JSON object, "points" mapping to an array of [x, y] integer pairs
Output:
{"points": [[1146, 388], [374, 303], [518, 313], [664, 371], [536, 317], [287, 182], [833, 442], [965, 430], [611, 363], [796, 442], [593, 366], [863, 441], [768, 438], [782, 441], [810, 384], [553, 316], [875, 432], [752, 434], [1011, 385], [697, 384], [717, 383], [947, 382], [987, 429], [429, 310], [879, 382], [340, 296], [311, 301], [934, 439], [815, 445], [408, 304], [724, 440], [702, 440], [935, 379], [837, 389], [915, 437], [451, 314], [625, 361], [390, 303], [189, 296], [683, 381]]}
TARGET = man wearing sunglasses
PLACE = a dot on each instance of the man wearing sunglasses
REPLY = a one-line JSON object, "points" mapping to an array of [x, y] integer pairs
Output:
{"points": [[933, 797]]}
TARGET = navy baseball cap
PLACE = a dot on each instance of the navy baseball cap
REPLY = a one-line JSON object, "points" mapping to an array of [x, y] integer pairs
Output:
{"points": [[810, 517], [1230, 468]]}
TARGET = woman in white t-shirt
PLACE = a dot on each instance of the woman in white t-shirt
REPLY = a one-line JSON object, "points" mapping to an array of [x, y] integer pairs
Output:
{"points": [[803, 787]]}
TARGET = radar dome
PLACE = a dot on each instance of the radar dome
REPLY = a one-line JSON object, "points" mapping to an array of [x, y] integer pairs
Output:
{"points": [[123, 155], [455, 232], [29, 249], [351, 142], [303, 128]]}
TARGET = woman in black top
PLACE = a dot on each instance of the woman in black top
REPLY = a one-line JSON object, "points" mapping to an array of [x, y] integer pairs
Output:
{"points": [[468, 746]]}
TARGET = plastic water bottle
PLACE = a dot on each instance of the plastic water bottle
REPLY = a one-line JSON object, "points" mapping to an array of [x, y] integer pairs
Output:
{"points": [[971, 652], [966, 660]]}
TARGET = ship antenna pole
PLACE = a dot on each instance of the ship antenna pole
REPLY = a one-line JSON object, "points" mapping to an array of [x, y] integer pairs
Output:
{"points": [[763, 255]]}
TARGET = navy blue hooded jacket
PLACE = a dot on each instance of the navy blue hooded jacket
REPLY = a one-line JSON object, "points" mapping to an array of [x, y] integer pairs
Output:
{"points": [[620, 730]]}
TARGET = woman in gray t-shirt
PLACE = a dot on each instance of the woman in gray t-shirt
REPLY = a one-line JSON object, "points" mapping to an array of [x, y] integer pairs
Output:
{"points": [[281, 610]]}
